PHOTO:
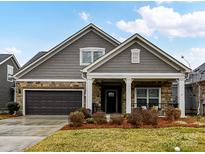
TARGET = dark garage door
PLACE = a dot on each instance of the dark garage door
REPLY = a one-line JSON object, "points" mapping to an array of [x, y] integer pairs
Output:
{"points": [[52, 102]]}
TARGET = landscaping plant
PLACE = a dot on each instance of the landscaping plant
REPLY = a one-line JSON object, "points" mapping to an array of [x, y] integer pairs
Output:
{"points": [[135, 118], [87, 112], [141, 116], [172, 113], [150, 117], [90, 120], [117, 119], [13, 107], [99, 117], [76, 118]]}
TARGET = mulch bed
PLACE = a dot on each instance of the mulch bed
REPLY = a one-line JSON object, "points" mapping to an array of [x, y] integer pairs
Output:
{"points": [[163, 122], [6, 116]]}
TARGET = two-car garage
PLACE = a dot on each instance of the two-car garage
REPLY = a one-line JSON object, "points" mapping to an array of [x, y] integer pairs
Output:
{"points": [[52, 102]]}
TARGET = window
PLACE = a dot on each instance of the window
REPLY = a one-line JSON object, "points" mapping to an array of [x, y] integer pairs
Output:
{"points": [[10, 71], [91, 54], [135, 55], [148, 97]]}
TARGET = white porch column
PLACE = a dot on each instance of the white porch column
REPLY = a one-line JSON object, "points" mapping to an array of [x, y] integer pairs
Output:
{"points": [[89, 93], [181, 96], [128, 82]]}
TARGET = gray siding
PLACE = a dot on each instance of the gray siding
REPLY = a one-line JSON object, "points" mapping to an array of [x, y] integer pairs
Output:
{"points": [[5, 86], [66, 63], [149, 63]]}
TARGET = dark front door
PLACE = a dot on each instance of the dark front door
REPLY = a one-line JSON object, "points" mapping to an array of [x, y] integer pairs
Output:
{"points": [[111, 101], [111, 98]]}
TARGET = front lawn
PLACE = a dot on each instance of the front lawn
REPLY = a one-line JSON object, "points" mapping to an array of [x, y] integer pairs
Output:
{"points": [[118, 139]]}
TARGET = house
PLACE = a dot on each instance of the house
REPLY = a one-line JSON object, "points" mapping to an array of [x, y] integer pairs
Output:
{"points": [[94, 70], [8, 67], [195, 84]]}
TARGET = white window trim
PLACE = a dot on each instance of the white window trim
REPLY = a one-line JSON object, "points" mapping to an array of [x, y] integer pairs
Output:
{"points": [[132, 58], [147, 95], [92, 49], [9, 77]]}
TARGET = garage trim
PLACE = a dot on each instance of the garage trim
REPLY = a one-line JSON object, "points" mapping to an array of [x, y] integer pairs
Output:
{"points": [[24, 95]]}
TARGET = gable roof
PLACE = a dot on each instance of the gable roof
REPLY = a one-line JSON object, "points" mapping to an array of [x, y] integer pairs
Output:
{"points": [[34, 58], [200, 69], [65, 43], [6, 57], [3, 57], [113, 53], [197, 75]]}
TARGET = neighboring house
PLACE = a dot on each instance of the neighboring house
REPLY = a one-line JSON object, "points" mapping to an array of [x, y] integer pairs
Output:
{"points": [[190, 98], [94, 70], [8, 66], [196, 86]]}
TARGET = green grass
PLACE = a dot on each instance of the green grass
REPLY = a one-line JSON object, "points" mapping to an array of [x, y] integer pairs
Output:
{"points": [[161, 139]]}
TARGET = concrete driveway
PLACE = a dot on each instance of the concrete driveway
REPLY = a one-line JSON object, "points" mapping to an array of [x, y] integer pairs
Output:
{"points": [[19, 133]]}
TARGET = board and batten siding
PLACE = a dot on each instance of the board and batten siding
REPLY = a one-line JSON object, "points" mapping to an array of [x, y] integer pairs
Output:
{"points": [[5, 86], [121, 63], [66, 63]]}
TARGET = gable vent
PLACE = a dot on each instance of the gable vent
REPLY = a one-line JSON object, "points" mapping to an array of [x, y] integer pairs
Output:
{"points": [[135, 55]]}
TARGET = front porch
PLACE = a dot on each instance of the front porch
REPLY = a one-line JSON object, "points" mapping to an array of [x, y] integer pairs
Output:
{"points": [[120, 95]]}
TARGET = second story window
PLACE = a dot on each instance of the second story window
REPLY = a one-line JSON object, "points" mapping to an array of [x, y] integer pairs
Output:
{"points": [[10, 72], [90, 54]]}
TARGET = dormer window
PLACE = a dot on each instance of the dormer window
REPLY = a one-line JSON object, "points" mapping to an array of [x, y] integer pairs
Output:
{"points": [[10, 72], [90, 54], [135, 55]]}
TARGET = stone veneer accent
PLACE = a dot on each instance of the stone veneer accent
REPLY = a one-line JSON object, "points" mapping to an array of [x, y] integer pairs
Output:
{"points": [[21, 85], [96, 93], [166, 89]]}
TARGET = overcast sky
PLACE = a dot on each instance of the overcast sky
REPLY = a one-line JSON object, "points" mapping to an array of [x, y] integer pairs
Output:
{"points": [[176, 27]]}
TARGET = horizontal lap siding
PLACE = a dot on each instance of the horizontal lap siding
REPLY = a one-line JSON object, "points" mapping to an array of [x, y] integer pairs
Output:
{"points": [[149, 63], [66, 63], [5, 86]]}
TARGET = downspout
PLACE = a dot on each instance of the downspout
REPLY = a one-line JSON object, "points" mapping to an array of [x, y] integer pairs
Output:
{"points": [[199, 96], [85, 95]]}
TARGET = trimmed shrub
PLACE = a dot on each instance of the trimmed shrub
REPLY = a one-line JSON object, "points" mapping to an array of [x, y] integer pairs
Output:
{"points": [[172, 113], [76, 118], [117, 119], [150, 117], [13, 107], [86, 112], [177, 113], [90, 120], [142, 116], [99, 117], [135, 118]]}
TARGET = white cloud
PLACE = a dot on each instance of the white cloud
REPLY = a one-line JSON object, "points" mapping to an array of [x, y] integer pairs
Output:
{"points": [[195, 56], [159, 2], [136, 26], [85, 16], [11, 50], [165, 21]]}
